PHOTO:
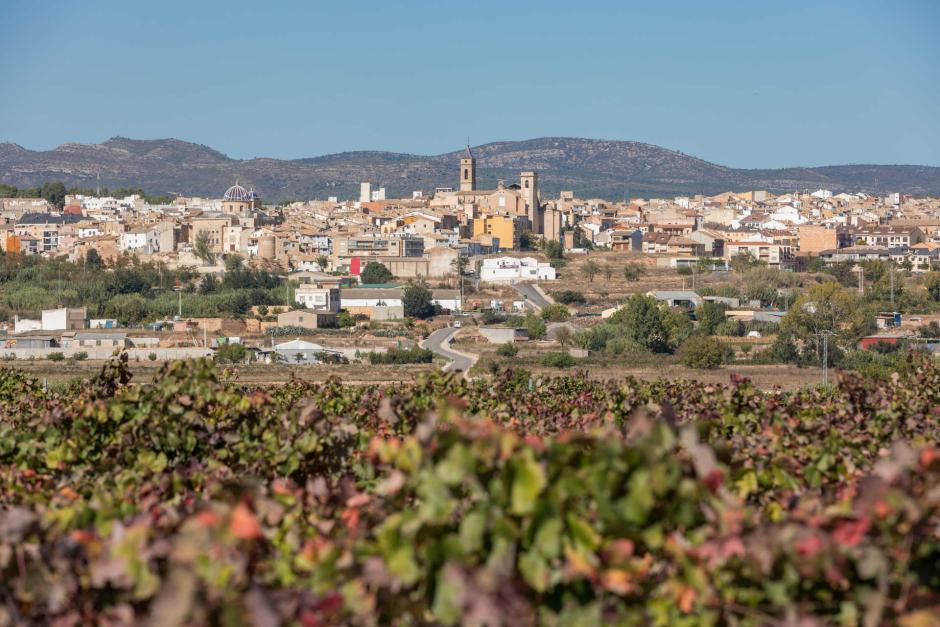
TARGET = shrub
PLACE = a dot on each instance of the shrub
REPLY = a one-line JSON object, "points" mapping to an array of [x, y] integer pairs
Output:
{"points": [[730, 328], [79, 356], [492, 317], [231, 353], [535, 326], [710, 317], [569, 297], [414, 355], [557, 360], [556, 312], [700, 351], [56, 356], [507, 350], [152, 357], [632, 272], [375, 272]]}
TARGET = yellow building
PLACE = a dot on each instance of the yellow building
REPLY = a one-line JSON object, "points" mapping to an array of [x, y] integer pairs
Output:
{"points": [[502, 227]]}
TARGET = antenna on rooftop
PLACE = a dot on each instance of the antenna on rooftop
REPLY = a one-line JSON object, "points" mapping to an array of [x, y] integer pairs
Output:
{"points": [[98, 183]]}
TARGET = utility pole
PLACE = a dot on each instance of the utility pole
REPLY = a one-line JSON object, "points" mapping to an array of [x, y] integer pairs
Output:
{"points": [[825, 338], [861, 281], [891, 280]]}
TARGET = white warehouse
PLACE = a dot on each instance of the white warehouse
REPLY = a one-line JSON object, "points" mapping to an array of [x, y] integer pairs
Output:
{"points": [[511, 269]]}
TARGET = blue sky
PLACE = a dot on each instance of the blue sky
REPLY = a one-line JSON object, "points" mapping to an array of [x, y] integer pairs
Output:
{"points": [[742, 83]]}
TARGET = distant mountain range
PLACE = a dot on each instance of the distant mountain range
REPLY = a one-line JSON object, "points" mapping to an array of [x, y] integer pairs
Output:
{"points": [[589, 167]]}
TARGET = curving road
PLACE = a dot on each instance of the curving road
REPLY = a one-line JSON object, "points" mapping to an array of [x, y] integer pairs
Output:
{"points": [[439, 343], [532, 295]]}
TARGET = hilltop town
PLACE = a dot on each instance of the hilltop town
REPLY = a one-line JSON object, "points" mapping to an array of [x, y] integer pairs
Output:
{"points": [[345, 273]]}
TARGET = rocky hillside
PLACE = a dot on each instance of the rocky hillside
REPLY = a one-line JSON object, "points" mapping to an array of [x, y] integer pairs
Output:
{"points": [[591, 168]]}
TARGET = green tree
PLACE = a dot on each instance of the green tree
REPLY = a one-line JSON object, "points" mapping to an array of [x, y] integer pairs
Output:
{"points": [[645, 321], [323, 261], [460, 264], [417, 302], [553, 249], [710, 316], [563, 336], [704, 352], [93, 260], [932, 283], [827, 308], [54, 192], [535, 326], [231, 354], [374, 273], [590, 270], [202, 248], [608, 271], [556, 312], [208, 285]]}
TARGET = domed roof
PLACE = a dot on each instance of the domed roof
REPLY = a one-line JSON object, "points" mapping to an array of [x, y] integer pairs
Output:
{"points": [[237, 193]]}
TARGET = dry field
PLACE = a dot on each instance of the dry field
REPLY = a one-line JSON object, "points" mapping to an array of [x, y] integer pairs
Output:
{"points": [[61, 373], [603, 292]]}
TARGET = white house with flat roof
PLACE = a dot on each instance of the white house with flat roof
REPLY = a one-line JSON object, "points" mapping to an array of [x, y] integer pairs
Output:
{"points": [[512, 269]]}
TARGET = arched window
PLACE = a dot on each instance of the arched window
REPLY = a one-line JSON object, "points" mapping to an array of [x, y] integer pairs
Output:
{"points": [[466, 174], [527, 183]]}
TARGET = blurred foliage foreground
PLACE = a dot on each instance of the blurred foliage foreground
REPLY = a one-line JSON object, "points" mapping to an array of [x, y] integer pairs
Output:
{"points": [[196, 500]]}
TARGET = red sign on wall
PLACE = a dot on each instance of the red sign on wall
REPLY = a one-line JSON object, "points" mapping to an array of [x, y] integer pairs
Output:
{"points": [[354, 266]]}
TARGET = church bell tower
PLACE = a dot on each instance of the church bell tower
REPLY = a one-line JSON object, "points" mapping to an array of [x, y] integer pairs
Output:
{"points": [[468, 172]]}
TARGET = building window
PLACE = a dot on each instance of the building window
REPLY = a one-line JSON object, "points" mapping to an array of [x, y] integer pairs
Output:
{"points": [[466, 174]]}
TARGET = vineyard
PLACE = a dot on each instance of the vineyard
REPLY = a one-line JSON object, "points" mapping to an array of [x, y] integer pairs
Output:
{"points": [[522, 500]]}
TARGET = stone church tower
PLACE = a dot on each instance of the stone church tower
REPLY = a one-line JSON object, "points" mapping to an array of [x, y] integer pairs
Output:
{"points": [[529, 181], [468, 172]]}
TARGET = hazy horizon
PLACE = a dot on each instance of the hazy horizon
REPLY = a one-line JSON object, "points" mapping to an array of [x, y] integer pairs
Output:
{"points": [[460, 148]]}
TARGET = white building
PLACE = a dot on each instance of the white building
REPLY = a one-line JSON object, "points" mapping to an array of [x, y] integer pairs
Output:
{"points": [[822, 193], [370, 297], [318, 298], [25, 325], [511, 269], [64, 319], [133, 241]]}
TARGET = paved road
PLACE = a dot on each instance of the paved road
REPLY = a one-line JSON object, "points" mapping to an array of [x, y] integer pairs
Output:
{"points": [[439, 342], [531, 295]]}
